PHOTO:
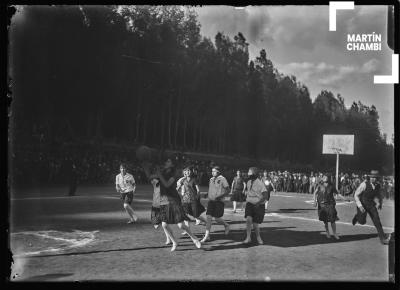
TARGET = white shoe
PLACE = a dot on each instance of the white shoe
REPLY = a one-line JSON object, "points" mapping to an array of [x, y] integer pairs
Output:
{"points": [[174, 247], [328, 235], [336, 237], [168, 242], [197, 222], [135, 218], [246, 241], [197, 244], [260, 241], [184, 234]]}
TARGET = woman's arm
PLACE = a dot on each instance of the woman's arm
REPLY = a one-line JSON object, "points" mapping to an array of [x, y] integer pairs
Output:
{"points": [[165, 183]]}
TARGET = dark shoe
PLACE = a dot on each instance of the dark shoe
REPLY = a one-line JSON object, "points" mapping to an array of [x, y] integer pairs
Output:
{"points": [[354, 221]]}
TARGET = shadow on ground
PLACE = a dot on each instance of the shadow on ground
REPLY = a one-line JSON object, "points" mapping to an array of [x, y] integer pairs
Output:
{"points": [[283, 237], [47, 277], [292, 210]]}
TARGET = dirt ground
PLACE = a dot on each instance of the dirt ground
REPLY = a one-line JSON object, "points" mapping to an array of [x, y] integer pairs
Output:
{"points": [[86, 238]]}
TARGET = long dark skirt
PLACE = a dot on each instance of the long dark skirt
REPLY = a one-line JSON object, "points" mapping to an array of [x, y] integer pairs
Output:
{"points": [[237, 195], [327, 213], [172, 213]]}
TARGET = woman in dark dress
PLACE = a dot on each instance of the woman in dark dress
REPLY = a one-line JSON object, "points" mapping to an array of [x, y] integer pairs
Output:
{"points": [[237, 190], [324, 196], [171, 210]]}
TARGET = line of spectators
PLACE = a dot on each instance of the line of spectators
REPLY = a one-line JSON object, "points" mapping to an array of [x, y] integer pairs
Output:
{"points": [[94, 165]]}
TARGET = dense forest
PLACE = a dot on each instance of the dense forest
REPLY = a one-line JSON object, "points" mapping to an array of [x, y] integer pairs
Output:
{"points": [[146, 75]]}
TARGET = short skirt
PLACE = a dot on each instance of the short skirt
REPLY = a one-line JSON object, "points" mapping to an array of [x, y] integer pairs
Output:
{"points": [[172, 213], [194, 208], [327, 213]]}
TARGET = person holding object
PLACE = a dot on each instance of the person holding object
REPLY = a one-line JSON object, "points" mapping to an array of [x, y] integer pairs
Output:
{"points": [[365, 196], [171, 210], [238, 190], [218, 188], [324, 196], [155, 214], [126, 186], [255, 205]]}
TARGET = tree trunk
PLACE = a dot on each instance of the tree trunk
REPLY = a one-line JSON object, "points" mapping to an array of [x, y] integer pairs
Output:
{"points": [[162, 126], [177, 115], [169, 121], [200, 139], [184, 130], [138, 116], [99, 121], [194, 132], [145, 123], [178, 107]]}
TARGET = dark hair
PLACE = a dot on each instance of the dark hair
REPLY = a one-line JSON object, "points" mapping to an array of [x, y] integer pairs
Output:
{"points": [[123, 165], [217, 168]]}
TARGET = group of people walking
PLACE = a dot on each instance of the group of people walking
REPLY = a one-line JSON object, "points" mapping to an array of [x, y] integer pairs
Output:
{"points": [[177, 201]]}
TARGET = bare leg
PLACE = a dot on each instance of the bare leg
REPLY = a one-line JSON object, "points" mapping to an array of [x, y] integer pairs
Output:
{"points": [[187, 225], [328, 235], [226, 225], [234, 206], [189, 232], [130, 212], [168, 240], [333, 225], [249, 222], [257, 230], [168, 232], [208, 229]]}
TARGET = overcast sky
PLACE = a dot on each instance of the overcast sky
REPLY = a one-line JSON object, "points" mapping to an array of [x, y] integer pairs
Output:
{"points": [[298, 41]]}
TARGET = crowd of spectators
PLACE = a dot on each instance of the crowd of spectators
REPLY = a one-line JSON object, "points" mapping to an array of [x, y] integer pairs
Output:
{"points": [[94, 165]]}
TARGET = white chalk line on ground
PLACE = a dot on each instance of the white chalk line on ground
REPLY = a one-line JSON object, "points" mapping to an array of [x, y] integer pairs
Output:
{"points": [[315, 220], [337, 203], [73, 197], [74, 243]]}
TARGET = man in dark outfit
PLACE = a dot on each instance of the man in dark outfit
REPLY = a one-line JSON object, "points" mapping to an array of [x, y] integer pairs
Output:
{"points": [[365, 196]]}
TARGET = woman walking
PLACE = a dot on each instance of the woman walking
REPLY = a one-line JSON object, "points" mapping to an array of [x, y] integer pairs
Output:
{"points": [[324, 196], [238, 190]]}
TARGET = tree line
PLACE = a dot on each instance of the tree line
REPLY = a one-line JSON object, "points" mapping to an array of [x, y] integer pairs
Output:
{"points": [[146, 75]]}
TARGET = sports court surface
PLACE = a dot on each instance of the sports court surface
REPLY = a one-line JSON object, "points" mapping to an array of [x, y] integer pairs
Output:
{"points": [[86, 238]]}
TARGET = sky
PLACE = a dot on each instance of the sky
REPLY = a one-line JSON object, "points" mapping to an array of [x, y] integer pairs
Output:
{"points": [[298, 42]]}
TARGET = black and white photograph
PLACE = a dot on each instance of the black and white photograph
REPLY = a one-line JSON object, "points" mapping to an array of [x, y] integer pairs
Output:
{"points": [[207, 143]]}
